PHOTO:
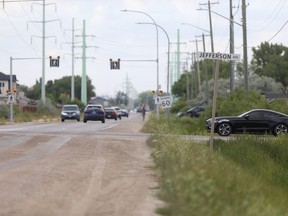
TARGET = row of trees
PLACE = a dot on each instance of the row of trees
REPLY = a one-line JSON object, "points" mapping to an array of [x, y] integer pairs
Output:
{"points": [[59, 92]]}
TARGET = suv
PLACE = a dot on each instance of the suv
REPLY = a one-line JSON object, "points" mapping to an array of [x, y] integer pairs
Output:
{"points": [[94, 112], [70, 111], [119, 113]]}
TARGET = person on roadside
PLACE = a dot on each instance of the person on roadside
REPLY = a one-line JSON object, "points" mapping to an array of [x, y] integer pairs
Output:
{"points": [[143, 111]]}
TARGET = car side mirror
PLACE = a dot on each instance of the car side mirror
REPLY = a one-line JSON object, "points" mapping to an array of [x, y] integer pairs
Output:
{"points": [[246, 117]]}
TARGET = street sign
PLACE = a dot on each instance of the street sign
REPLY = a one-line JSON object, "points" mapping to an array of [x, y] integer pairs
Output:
{"points": [[165, 102], [219, 56], [11, 99], [157, 99]]}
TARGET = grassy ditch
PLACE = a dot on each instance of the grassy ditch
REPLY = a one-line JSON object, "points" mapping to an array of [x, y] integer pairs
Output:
{"points": [[244, 176], [42, 113]]}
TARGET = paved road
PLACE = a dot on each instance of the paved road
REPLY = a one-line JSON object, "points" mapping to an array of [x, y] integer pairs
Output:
{"points": [[73, 168]]}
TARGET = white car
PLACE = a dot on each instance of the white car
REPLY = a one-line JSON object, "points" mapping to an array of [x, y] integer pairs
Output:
{"points": [[119, 113]]}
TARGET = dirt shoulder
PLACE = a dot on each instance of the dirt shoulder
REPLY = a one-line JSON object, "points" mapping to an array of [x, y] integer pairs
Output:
{"points": [[101, 174]]}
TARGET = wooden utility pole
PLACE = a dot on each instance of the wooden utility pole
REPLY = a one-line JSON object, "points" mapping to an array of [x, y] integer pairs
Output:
{"points": [[232, 73], [210, 23], [245, 60]]}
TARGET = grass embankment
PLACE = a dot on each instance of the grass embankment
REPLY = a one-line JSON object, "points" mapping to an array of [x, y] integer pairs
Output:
{"points": [[244, 176], [42, 113]]}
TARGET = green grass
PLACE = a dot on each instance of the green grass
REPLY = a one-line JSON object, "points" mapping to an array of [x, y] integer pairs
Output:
{"points": [[245, 176]]}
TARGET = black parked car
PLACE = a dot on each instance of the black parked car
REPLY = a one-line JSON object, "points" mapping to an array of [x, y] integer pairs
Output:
{"points": [[110, 113], [94, 112], [256, 121], [70, 111], [193, 112]]}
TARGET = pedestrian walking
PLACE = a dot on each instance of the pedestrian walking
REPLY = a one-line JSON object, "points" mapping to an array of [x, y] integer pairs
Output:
{"points": [[143, 111]]}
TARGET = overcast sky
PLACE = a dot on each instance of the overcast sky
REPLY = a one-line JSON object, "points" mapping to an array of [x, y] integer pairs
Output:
{"points": [[116, 35]]}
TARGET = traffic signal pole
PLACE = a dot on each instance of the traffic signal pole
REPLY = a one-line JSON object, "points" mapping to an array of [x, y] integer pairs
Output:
{"points": [[11, 83]]}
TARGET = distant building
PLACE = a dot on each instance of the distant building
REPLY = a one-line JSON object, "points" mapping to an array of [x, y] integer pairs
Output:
{"points": [[99, 100], [5, 87]]}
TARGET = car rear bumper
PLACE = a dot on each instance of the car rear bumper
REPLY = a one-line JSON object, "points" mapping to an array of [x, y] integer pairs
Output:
{"points": [[94, 118]]}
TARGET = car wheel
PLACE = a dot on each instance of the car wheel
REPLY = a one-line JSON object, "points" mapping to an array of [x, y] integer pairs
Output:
{"points": [[116, 119], [103, 121], [224, 129], [85, 121], [78, 120], [62, 120], [280, 129]]}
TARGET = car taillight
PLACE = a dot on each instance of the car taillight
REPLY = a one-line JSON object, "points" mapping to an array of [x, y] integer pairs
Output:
{"points": [[114, 113]]}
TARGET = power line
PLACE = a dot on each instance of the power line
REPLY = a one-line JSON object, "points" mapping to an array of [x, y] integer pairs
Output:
{"points": [[278, 31], [19, 34]]}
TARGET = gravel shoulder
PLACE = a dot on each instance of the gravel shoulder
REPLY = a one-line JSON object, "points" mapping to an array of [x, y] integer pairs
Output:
{"points": [[102, 174]]}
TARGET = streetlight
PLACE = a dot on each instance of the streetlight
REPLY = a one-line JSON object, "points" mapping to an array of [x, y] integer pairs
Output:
{"points": [[157, 52], [168, 57]]}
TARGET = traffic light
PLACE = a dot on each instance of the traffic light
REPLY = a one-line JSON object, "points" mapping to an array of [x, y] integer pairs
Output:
{"points": [[115, 64], [54, 62], [153, 92], [7, 90], [14, 90], [161, 91]]}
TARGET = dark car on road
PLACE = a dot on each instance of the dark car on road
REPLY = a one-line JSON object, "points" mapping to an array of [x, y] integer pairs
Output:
{"points": [[94, 112], [124, 113], [70, 111], [110, 113], [256, 121], [193, 112]]}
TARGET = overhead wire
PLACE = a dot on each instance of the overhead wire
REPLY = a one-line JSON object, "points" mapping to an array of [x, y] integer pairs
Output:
{"points": [[19, 34], [278, 31]]}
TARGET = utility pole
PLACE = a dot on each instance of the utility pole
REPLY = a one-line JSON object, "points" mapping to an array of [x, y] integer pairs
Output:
{"points": [[178, 54], [205, 64], [72, 60], [210, 22], [197, 66], [44, 37], [245, 60], [84, 57], [232, 73]]}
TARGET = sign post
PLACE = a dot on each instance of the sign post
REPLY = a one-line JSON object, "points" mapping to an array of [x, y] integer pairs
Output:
{"points": [[217, 57]]}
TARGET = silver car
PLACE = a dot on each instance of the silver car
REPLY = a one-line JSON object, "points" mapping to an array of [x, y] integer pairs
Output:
{"points": [[70, 111]]}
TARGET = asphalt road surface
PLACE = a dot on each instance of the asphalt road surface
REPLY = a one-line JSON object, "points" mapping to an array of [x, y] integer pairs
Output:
{"points": [[73, 168]]}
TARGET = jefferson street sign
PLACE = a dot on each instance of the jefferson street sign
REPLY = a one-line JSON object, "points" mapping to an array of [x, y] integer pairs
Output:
{"points": [[219, 56]]}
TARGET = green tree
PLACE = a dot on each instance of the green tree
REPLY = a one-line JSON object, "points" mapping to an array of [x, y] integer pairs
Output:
{"points": [[147, 99], [34, 92], [271, 60], [58, 87], [179, 88]]}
